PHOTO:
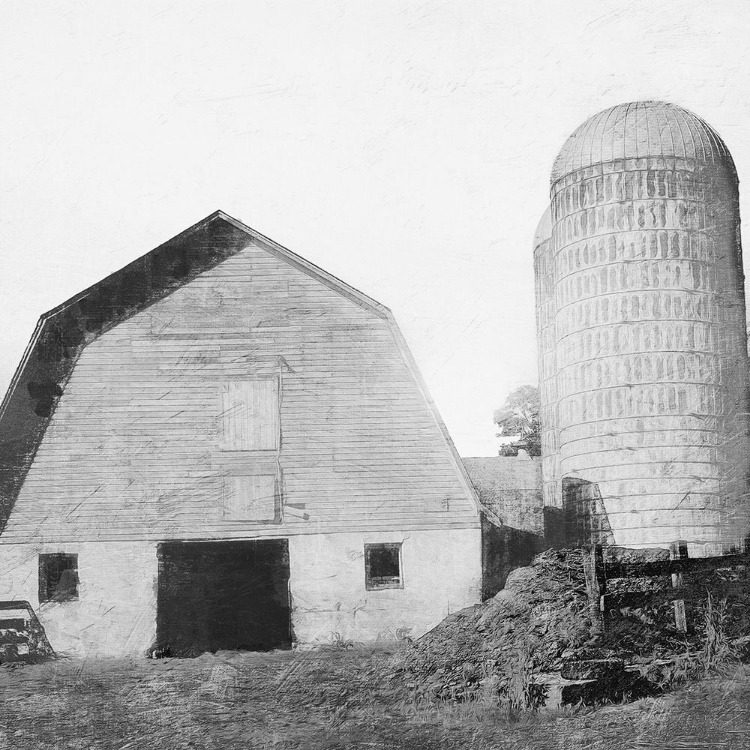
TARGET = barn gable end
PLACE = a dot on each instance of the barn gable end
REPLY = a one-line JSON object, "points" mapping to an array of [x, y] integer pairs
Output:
{"points": [[121, 421]]}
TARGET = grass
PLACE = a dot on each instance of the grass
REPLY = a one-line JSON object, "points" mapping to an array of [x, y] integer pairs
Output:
{"points": [[329, 701]]}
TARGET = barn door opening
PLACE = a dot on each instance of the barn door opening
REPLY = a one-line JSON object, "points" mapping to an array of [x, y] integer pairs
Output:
{"points": [[223, 595]]}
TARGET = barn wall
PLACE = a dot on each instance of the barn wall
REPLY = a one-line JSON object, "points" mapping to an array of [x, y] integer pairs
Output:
{"points": [[442, 574], [504, 549], [511, 487], [134, 448], [115, 614]]}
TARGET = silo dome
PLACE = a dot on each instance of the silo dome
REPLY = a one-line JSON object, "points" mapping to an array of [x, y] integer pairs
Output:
{"points": [[641, 322], [543, 229], [638, 130]]}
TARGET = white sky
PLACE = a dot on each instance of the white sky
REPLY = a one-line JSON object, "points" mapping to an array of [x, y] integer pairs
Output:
{"points": [[403, 146]]}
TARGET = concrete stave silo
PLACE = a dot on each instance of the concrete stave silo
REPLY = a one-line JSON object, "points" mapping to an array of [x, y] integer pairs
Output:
{"points": [[645, 420], [546, 339]]}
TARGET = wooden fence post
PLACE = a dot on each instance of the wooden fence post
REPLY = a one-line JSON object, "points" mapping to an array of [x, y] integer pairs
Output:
{"points": [[593, 570], [678, 551]]}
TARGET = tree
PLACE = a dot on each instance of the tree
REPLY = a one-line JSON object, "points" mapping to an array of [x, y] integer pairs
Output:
{"points": [[519, 417]]}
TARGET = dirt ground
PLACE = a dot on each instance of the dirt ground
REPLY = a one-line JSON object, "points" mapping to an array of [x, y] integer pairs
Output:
{"points": [[327, 700]]}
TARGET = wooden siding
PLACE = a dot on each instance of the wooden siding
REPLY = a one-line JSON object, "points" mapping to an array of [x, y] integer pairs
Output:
{"points": [[135, 448], [250, 414], [250, 498]]}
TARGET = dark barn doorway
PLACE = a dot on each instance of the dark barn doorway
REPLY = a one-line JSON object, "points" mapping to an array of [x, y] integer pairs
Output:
{"points": [[223, 595]]}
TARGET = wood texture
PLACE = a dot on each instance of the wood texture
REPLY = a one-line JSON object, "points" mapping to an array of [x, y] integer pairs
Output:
{"points": [[299, 381], [250, 414]]}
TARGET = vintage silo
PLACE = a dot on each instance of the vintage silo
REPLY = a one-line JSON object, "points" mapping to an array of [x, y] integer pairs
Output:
{"points": [[642, 345], [546, 343]]}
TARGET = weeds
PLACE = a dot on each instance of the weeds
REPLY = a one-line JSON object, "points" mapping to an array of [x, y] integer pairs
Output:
{"points": [[520, 692], [717, 651], [714, 652], [338, 643], [666, 674]]}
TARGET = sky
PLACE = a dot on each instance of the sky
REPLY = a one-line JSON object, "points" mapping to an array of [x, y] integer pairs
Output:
{"points": [[404, 147]]}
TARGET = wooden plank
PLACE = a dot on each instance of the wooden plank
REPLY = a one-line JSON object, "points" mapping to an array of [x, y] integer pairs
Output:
{"points": [[679, 551], [250, 410], [667, 567], [197, 528], [249, 498], [593, 570], [680, 618]]}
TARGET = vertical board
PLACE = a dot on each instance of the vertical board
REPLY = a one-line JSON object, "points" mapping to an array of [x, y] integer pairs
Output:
{"points": [[250, 414], [249, 498]]}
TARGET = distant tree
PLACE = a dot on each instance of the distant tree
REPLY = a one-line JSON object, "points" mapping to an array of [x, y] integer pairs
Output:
{"points": [[519, 417]]}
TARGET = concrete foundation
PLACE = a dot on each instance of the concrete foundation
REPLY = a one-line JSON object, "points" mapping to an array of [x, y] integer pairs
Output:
{"points": [[115, 612], [442, 573]]}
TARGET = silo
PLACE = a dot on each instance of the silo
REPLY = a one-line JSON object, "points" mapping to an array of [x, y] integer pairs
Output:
{"points": [[545, 331], [648, 408]]}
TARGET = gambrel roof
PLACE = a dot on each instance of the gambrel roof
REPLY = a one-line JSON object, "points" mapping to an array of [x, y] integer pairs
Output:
{"points": [[63, 332]]}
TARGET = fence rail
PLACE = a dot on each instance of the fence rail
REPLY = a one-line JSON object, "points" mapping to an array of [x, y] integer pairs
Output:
{"points": [[598, 571]]}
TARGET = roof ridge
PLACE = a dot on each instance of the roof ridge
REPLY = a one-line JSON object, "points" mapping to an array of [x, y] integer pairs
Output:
{"points": [[306, 265]]}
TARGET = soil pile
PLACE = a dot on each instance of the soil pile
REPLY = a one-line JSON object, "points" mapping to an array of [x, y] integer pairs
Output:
{"points": [[541, 623]]}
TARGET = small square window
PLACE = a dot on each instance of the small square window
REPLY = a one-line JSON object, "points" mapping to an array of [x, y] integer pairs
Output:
{"points": [[58, 578], [383, 566]]}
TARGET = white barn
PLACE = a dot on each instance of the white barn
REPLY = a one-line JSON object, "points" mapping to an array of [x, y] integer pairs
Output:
{"points": [[223, 446]]}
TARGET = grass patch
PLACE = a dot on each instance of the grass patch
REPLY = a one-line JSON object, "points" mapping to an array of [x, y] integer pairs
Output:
{"points": [[329, 701]]}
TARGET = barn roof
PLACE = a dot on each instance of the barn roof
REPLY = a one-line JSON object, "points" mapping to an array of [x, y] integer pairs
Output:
{"points": [[62, 333]]}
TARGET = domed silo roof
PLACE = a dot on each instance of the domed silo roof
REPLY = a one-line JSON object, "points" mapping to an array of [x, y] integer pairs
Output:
{"points": [[639, 129], [544, 228]]}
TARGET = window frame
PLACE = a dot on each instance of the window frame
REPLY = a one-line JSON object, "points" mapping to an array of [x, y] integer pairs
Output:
{"points": [[382, 583], [46, 592]]}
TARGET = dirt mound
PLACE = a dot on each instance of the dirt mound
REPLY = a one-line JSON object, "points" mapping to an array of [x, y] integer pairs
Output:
{"points": [[539, 617], [541, 623]]}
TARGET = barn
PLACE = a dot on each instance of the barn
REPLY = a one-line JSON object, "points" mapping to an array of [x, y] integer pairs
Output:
{"points": [[222, 446]]}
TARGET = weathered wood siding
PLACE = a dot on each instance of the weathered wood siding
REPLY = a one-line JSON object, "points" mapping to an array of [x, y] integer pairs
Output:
{"points": [[250, 414], [139, 446]]}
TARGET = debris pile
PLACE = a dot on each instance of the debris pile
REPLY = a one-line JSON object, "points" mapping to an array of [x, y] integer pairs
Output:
{"points": [[22, 637], [540, 627]]}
